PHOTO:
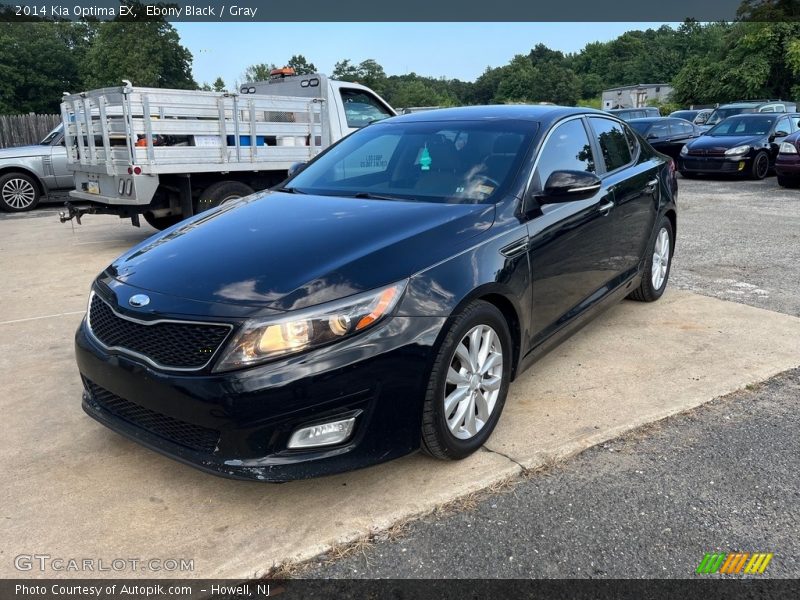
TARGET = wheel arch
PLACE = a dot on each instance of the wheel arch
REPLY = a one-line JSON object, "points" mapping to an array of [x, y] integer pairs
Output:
{"points": [[496, 296], [25, 171]]}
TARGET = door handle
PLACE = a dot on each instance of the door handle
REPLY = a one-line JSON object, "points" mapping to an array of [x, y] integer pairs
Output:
{"points": [[606, 206], [651, 185]]}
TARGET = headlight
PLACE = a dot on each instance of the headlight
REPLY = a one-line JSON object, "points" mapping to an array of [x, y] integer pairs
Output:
{"points": [[788, 148], [261, 340], [684, 150], [737, 151]]}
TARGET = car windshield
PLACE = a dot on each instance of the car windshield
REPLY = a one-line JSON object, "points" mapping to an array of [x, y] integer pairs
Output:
{"points": [[743, 126], [428, 161], [48, 139], [721, 114]]}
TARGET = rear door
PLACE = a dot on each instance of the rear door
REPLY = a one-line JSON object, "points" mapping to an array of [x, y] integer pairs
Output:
{"points": [[633, 178], [569, 242]]}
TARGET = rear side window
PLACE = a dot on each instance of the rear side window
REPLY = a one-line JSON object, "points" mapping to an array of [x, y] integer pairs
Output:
{"points": [[567, 149], [679, 128], [659, 130], [613, 143]]}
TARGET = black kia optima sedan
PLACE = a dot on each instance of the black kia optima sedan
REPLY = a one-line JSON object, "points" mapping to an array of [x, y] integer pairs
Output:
{"points": [[745, 144], [383, 298]]}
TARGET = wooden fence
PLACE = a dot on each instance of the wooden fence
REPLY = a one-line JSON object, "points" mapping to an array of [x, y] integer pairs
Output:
{"points": [[19, 130]]}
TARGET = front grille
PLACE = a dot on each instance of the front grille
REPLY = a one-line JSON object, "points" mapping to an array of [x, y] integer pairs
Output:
{"points": [[174, 430], [704, 165], [167, 344]]}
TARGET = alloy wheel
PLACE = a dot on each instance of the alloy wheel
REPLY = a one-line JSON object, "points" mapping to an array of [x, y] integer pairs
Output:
{"points": [[18, 193], [473, 383], [658, 272]]}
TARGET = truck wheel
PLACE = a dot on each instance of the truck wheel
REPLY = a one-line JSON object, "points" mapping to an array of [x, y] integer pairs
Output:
{"points": [[18, 192], [221, 192], [161, 223]]}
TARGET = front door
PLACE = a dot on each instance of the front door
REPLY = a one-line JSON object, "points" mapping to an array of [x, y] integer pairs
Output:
{"points": [[570, 241]]}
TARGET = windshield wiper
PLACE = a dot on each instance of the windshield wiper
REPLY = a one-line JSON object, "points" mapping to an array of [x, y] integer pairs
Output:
{"points": [[371, 196], [289, 190]]}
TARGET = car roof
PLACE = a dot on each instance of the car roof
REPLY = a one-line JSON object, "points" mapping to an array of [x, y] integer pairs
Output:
{"points": [[743, 104], [544, 114], [654, 119]]}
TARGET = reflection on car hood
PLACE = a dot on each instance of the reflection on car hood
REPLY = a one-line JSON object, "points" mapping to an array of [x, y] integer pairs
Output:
{"points": [[724, 142], [289, 251]]}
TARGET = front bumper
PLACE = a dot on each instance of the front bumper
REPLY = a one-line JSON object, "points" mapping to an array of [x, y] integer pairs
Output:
{"points": [[788, 165], [714, 164], [237, 424]]}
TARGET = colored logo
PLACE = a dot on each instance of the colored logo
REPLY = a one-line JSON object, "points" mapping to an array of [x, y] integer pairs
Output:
{"points": [[734, 563]]}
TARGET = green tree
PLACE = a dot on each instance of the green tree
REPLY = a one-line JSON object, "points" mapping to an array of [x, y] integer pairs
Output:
{"points": [[257, 72], [344, 70], [38, 62], [218, 85], [301, 66], [148, 53]]}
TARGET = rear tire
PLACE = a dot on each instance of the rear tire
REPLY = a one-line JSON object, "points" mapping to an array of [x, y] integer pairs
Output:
{"points": [[760, 166], [18, 192], [221, 192], [467, 389], [659, 263], [161, 223]]}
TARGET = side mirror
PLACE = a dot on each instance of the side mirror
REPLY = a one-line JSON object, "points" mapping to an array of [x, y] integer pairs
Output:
{"points": [[566, 186], [780, 134], [295, 169]]}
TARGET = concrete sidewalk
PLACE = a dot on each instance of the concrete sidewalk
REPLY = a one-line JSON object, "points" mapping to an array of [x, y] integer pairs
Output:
{"points": [[74, 489]]}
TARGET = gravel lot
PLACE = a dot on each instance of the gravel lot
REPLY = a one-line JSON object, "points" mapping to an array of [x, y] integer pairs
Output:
{"points": [[723, 477], [740, 241]]}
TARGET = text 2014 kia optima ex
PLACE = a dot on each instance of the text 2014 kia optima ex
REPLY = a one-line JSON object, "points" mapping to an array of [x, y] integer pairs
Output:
{"points": [[383, 299]]}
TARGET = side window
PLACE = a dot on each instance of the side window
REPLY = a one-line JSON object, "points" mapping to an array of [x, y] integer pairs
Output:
{"points": [[567, 149], [795, 119], [362, 108], [783, 127], [658, 130], [678, 128], [613, 143]]}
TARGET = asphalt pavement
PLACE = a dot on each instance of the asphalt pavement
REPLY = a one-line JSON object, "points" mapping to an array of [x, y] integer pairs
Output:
{"points": [[720, 478]]}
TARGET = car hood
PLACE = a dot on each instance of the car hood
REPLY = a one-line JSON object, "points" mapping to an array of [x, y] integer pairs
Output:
{"points": [[24, 151], [726, 142], [289, 251]]}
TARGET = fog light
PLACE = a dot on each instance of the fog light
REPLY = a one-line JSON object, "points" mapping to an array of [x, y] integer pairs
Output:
{"points": [[324, 434]]}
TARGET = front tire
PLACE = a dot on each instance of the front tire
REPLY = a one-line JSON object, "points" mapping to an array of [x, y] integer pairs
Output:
{"points": [[18, 192], [659, 262], [468, 383], [760, 166], [789, 182]]}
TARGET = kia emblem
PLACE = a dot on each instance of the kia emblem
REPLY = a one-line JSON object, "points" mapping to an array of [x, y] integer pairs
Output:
{"points": [[139, 300]]}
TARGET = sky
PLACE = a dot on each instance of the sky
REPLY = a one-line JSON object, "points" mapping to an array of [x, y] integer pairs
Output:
{"points": [[453, 50]]}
